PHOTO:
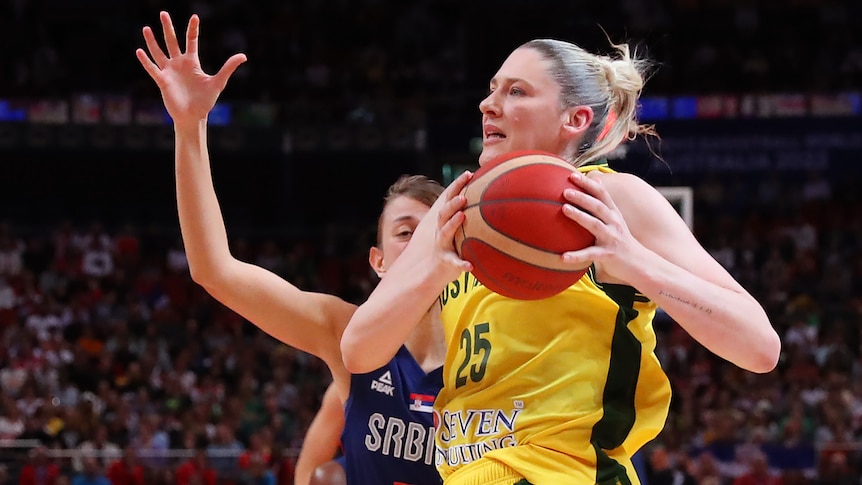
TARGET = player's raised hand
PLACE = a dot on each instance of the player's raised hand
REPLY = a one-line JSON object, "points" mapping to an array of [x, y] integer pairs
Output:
{"points": [[188, 92]]}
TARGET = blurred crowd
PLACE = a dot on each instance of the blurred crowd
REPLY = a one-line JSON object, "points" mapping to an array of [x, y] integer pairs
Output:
{"points": [[116, 368], [366, 60], [107, 345], [797, 246], [109, 350]]}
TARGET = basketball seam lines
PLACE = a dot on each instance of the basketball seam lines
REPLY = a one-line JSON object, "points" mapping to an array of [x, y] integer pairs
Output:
{"points": [[506, 235], [500, 201], [544, 268], [487, 187]]}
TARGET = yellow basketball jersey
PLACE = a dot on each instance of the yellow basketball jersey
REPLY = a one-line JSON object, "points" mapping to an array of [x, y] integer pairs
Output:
{"points": [[557, 391]]}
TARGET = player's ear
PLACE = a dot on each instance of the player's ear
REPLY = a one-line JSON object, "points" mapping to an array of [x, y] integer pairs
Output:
{"points": [[576, 121], [375, 259]]}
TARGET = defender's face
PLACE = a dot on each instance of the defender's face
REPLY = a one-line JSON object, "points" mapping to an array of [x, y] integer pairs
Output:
{"points": [[522, 110], [400, 218]]}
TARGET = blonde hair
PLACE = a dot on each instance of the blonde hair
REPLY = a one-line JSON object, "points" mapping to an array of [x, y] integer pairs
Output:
{"points": [[610, 85]]}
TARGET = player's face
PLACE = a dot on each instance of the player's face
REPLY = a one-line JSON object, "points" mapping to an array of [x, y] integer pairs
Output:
{"points": [[400, 218], [522, 110]]}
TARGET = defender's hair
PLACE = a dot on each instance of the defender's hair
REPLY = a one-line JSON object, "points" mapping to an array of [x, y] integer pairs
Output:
{"points": [[416, 187]]}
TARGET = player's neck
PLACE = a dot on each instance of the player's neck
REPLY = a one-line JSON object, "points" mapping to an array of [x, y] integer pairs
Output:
{"points": [[426, 343]]}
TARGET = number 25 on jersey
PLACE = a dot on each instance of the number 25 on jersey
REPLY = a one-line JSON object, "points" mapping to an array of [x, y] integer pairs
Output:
{"points": [[476, 349]]}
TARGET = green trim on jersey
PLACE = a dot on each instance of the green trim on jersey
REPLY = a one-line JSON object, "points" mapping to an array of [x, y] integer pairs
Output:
{"points": [[599, 162], [618, 398], [638, 296]]}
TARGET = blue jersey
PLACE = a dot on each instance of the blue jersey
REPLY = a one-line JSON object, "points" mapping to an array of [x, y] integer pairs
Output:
{"points": [[388, 436]]}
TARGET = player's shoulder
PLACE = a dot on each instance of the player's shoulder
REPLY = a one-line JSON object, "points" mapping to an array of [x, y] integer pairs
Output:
{"points": [[639, 202], [625, 185]]}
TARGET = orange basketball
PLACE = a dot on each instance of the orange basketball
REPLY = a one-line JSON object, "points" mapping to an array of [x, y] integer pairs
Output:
{"points": [[515, 229]]}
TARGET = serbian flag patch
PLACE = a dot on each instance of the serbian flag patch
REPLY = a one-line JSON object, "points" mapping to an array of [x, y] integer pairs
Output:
{"points": [[422, 403]]}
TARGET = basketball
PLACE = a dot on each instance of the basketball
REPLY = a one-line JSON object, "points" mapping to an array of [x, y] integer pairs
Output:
{"points": [[515, 229]]}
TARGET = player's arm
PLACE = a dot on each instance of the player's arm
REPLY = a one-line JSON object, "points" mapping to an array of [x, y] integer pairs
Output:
{"points": [[308, 321], [671, 267], [322, 438], [412, 284]]}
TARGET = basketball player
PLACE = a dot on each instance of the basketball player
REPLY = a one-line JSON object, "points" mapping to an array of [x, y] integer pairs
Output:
{"points": [[565, 389], [388, 436]]}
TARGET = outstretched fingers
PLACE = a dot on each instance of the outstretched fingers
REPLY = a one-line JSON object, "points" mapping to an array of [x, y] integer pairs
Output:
{"points": [[153, 46], [192, 33], [149, 66], [170, 35], [228, 69]]}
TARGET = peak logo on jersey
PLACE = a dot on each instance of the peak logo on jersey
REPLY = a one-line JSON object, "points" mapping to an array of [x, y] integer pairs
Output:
{"points": [[383, 384], [422, 403], [386, 378]]}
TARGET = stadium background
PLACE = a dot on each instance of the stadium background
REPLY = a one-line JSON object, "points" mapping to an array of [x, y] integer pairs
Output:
{"points": [[103, 337]]}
